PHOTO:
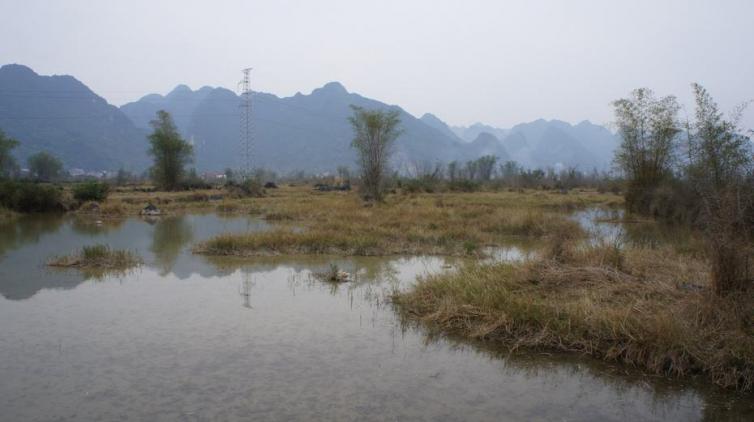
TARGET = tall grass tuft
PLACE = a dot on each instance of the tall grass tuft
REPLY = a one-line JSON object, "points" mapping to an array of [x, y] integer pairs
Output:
{"points": [[98, 257]]}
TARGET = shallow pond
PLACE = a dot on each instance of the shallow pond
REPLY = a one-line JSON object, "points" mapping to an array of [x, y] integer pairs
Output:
{"points": [[194, 338]]}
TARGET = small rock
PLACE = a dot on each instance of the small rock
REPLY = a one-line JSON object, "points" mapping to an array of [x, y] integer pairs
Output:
{"points": [[151, 210]]}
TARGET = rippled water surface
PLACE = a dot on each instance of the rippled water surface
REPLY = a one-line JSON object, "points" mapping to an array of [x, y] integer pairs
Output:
{"points": [[186, 337]]}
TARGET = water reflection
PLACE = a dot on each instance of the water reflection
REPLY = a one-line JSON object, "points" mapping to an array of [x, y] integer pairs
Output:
{"points": [[28, 242], [93, 228], [245, 290], [584, 388], [207, 338], [170, 237], [614, 226], [17, 232]]}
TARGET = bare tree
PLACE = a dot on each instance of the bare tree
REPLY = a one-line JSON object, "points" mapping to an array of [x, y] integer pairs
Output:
{"points": [[344, 173], [427, 170], [453, 170], [375, 132], [509, 172], [648, 127], [719, 170], [471, 169], [486, 167]]}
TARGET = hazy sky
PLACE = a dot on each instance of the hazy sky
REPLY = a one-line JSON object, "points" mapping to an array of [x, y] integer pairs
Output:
{"points": [[499, 62]]}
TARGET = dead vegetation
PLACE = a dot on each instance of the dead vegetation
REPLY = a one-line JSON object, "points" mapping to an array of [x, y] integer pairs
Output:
{"points": [[98, 258], [309, 222], [652, 309]]}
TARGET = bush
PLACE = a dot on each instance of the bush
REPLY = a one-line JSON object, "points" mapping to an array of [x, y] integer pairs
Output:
{"points": [[247, 188], [91, 191], [419, 185], [464, 186], [30, 197], [192, 182]]}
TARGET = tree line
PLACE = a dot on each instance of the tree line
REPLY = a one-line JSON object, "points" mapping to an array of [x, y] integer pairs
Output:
{"points": [[697, 171]]}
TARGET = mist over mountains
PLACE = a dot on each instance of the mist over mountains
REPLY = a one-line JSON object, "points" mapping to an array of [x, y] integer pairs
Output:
{"points": [[302, 132]]}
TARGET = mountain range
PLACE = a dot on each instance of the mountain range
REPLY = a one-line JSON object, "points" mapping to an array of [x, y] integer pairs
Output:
{"points": [[310, 132]]}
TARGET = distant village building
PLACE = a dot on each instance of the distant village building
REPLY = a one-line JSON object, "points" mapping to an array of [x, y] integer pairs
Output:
{"points": [[213, 175]]}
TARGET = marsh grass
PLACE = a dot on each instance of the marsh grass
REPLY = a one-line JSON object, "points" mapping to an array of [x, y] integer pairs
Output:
{"points": [[445, 224], [652, 309], [98, 257]]}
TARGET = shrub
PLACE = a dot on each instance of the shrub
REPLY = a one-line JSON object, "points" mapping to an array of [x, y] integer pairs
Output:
{"points": [[247, 188], [91, 191], [420, 185], [192, 181], [464, 186], [30, 197]]}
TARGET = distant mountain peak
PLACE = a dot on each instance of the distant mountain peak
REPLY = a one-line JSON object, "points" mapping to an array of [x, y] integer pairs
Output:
{"points": [[79, 127], [486, 137], [180, 90], [332, 88], [18, 69], [433, 121]]}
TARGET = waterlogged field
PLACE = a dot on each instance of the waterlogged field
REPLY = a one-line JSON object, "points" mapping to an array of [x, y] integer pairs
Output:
{"points": [[192, 336]]}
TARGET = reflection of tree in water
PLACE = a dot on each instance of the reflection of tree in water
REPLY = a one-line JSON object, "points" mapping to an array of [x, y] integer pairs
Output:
{"points": [[667, 394], [171, 235], [17, 232], [652, 234]]}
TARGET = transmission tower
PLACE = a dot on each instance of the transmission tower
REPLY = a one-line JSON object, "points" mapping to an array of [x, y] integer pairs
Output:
{"points": [[246, 139]]}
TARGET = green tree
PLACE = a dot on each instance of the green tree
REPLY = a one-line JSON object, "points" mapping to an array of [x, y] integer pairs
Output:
{"points": [[648, 127], [375, 132], [719, 169], [45, 167], [8, 165], [170, 152]]}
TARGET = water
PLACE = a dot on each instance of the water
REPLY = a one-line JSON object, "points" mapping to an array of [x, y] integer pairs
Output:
{"points": [[194, 338], [609, 225]]}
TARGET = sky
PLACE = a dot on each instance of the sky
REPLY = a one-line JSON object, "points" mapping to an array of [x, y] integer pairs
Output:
{"points": [[497, 62]]}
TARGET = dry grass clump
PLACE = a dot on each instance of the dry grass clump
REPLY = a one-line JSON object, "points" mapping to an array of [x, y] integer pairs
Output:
{"points": [[226, 207], [98, 257], [449, 224], [652, 309], [288, 242], [333, 275]]}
